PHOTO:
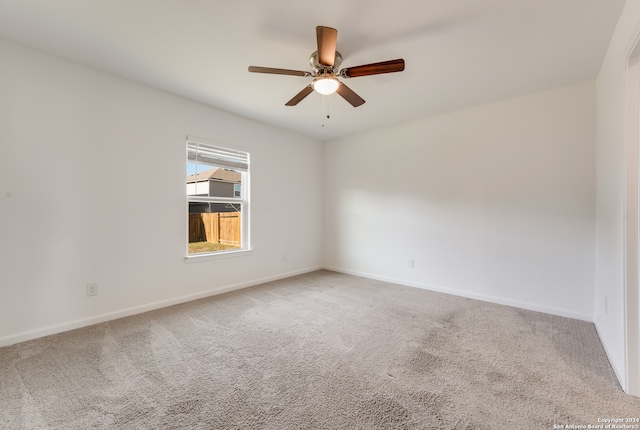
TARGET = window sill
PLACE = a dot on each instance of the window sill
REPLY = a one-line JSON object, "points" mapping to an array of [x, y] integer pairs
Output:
{"points": [[195, 258]]}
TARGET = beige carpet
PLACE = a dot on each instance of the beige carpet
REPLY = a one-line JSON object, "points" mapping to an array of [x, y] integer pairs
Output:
{"points": [[317, 351]]}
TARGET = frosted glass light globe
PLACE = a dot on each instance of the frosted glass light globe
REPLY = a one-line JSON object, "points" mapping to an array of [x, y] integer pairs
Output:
{"points": [[326, 85]]}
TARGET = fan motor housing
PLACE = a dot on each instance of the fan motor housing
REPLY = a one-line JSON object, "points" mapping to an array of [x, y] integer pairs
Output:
{"points": [[319, 69]]}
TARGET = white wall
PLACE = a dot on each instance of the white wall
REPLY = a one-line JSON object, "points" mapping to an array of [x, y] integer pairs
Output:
{"points": [[495, 202], [92, 189], [611, 113]]}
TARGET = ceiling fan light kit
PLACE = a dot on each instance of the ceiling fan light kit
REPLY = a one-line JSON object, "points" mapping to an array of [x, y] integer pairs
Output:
{"points": [[325, 64], [325, 85]]}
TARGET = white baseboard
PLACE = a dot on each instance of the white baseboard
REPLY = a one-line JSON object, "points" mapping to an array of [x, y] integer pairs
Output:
{"points": [[616, 364], [85, 322], [485, 298]]}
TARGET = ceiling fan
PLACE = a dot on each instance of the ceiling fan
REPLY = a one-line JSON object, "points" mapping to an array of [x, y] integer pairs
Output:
{"points": [[325, 63]]}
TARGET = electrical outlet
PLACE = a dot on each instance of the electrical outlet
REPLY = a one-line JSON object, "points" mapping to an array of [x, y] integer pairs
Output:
{"points": [[411, 263], [92, 289]]}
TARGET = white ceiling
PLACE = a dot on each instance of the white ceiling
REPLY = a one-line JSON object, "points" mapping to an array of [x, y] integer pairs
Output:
{"points": [[458, 53]]}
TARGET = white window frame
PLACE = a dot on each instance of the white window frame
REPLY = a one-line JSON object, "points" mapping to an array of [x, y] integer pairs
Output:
{"points": [[220, 155]]}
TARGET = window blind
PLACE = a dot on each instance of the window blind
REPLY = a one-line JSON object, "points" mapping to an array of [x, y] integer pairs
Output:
{"points": [[207, 153]]}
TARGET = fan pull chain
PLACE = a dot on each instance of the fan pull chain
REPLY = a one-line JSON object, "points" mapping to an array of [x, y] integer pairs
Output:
{"points": [[323, 108], [323, 102]]}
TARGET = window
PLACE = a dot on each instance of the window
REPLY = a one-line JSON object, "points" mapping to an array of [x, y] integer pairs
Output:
{"points": [[217, 199]]}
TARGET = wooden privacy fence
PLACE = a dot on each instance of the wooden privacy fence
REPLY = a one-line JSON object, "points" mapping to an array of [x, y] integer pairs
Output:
{"points": [[216, 227]]}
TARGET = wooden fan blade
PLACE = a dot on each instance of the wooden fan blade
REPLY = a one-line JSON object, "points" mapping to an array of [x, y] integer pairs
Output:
{"points": [[327, 39], [256, 69], [301, 95], [374, 69], [349, 95]]}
